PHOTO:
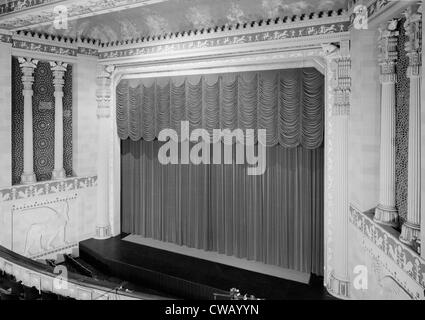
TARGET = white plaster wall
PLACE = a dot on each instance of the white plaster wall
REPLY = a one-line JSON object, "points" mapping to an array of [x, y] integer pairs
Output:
{"points": [[364, 123], [84, 116], [5, 114]]}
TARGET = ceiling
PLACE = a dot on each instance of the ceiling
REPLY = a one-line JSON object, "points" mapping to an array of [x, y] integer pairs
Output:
{"points": [[182, 15]]}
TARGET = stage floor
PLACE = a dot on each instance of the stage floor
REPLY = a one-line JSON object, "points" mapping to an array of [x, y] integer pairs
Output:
{"points": [[189, 277]]}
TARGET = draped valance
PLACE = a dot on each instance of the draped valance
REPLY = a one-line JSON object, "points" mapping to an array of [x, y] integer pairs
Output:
{"points": [[289, 104]]}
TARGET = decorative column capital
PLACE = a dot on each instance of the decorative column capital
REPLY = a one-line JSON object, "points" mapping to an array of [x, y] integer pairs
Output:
{"points": [[388, 54], [413, 46], [104, 90], [27, 66], [341, 70], [339, 62], [59, 69]]}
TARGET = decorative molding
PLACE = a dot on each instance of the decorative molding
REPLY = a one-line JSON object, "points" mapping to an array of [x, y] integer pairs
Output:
{"points": [[43, 48], [104, 90], [311, 28], [88, 51], [207, 40], [46, 188], [386, 243]]}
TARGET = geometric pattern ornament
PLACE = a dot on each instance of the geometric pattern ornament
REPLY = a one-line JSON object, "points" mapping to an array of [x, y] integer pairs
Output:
{"points": [[43, 122], [402, 125]]}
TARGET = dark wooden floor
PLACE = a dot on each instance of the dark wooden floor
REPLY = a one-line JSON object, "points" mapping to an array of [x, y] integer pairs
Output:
{"points": [[187, 277]]}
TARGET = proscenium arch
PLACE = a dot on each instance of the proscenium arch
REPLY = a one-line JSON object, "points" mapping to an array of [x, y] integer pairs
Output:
{"points": [[314, 57]]}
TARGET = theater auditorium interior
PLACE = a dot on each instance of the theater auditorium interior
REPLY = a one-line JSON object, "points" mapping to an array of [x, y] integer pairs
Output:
{"points": [[212, 150]]}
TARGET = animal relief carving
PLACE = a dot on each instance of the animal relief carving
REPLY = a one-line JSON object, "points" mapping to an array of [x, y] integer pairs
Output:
{"points": [[50, 232]]}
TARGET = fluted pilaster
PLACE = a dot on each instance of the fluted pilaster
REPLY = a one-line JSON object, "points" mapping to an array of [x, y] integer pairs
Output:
{"points": [[386, 212], [59, 69], [411, 229], [28, 66], [339, 63], [104, 100]]}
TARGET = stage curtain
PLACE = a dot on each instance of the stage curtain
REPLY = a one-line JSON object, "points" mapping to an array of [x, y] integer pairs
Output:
{"points": [[287, 103], [276, 218]]}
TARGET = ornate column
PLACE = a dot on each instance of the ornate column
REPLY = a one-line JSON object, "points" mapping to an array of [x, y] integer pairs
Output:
{"points": [[104, 100], [411, 228], [27, 66], [59, 69], [386, 212], [338, 96]]}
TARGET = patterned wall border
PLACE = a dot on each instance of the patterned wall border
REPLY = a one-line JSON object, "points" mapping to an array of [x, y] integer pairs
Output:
{"points": [[312, 27], [88, 51], [403, 257], [44, 48], [291, 33], [50, 45], [46, 188]]}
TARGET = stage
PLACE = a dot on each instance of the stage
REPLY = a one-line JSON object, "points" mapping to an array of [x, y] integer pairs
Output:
{"points": [[188, 277]]}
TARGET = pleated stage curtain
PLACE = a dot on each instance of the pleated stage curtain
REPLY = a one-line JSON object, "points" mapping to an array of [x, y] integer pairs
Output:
{"points": [[275, 218], [287, 103]]}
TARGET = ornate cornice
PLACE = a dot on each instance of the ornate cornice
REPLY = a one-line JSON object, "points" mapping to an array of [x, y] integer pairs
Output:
{"points": [[308, 28], [318, 27], [40, 43]]}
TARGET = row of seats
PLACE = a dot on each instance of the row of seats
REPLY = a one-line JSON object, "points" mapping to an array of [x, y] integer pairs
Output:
{"points": [[10, 290]]}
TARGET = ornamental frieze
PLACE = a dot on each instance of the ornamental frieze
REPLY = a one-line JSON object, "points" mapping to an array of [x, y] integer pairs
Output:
{"points": [[46, 188], [388, 244], [45, 48], [325, 29]]}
